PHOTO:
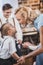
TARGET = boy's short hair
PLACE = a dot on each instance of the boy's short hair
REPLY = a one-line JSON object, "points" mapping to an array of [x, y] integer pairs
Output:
{"points": [[4, 29], [6, 7]]}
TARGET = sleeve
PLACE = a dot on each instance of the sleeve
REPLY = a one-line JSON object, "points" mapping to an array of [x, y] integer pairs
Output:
{"points": [[12, 46], [40, 21], [19, 34], [33, 47], [0, 23]]}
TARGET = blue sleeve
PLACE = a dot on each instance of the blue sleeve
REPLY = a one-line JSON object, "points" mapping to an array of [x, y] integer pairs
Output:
{"points": [[40, 21], [36, 23]]}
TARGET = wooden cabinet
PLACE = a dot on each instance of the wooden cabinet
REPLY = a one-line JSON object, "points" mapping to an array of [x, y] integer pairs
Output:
{"points": [[34, 4]]}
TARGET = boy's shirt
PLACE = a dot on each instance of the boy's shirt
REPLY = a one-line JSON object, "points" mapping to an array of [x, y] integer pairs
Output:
{"points": [[7, 47]]}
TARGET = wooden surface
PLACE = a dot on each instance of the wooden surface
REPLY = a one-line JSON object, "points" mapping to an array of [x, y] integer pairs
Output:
{"points": [[29, 31], [28, 61]]}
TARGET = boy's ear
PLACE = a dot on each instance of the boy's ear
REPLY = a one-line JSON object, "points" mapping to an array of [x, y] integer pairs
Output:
{"points": [[9, 31]]}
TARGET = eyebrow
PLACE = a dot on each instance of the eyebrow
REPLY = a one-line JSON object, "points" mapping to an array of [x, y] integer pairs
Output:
{"points": [[8, 12]]}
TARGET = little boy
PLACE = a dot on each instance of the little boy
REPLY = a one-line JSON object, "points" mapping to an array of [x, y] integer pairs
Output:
{"points": [[7, 46]]}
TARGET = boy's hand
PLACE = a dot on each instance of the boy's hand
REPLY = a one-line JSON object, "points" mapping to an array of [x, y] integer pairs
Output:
{"points": [[19, 41], [21, 60]]}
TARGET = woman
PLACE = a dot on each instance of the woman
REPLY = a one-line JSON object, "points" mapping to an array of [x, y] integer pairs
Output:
{"points": [[39, 50]]}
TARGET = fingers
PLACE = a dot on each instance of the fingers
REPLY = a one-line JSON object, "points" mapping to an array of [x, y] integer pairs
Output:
{"points": [[26, 44], [21, 60]]}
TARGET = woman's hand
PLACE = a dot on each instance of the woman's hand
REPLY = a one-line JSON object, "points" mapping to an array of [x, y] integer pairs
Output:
{"points": [[26, 44]]}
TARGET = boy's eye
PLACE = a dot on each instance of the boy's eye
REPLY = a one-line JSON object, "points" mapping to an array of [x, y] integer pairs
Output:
{"points": [[8, 12], [18, 19]]}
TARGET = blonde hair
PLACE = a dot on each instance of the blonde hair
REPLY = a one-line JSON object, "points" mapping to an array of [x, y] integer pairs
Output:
{"points": [[4, 29], [23, 11]]}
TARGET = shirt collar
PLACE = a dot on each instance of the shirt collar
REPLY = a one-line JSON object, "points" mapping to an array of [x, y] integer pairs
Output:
{"points": [[6, 36]]}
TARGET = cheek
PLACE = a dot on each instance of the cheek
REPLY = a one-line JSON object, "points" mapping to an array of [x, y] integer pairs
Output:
{"points": [[21, 21], [14, 30], [4, 14], [8, 14]]}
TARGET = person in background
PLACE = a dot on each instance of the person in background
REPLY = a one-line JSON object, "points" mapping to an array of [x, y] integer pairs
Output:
{"points": [[8, 46], [13, 3]]}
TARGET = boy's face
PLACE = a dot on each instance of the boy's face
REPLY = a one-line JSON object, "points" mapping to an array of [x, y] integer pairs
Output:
{"points": [[12, 31], [7, 13]]}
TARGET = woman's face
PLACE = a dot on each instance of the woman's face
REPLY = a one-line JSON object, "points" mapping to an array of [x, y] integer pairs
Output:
{"points": [[20, 18]]}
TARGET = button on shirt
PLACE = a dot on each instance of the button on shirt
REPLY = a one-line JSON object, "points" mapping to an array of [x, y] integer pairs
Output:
{"points": [[8, 47], [19, 35]]}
